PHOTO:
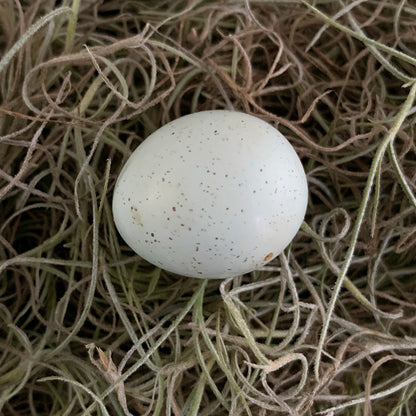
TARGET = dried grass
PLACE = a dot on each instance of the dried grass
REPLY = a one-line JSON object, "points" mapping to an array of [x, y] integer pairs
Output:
{"points": [[87, 327]]}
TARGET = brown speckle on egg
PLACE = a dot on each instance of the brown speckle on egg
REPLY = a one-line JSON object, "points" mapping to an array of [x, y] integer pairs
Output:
{"points": [[135, 216]]}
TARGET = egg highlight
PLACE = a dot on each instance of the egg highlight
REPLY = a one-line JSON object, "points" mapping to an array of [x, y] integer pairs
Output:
{"points": [[213, 194]]}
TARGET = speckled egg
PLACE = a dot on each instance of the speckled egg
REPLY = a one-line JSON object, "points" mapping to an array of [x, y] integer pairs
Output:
{"points": [[212, 195]]}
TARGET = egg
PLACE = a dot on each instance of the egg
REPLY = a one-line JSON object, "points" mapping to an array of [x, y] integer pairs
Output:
{"points": [[211, 195]]}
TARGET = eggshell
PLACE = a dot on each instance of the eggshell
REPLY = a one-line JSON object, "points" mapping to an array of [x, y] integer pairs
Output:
{"points": [[212, 194]]}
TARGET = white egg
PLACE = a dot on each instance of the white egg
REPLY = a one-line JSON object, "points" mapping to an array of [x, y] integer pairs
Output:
{"points": [[212, 194]]}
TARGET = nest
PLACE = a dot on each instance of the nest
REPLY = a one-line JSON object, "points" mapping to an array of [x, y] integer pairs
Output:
{"points": [[88, 327]]}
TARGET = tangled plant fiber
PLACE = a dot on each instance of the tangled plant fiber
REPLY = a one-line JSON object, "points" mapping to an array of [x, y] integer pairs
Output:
{"points": [[87, 327]]}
